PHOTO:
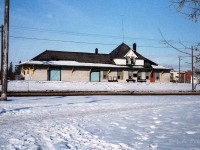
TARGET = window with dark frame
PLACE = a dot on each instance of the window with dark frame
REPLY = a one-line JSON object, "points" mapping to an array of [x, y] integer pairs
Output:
{"points": [[157, 76], [120, 75], [139, 75], [130, 74], [147, 75], [105, 75]]}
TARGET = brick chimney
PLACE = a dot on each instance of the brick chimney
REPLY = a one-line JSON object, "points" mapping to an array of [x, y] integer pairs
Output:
{"points": [[96, 51], [134, 47]]}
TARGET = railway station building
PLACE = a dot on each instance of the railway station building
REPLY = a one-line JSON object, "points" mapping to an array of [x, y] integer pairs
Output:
{"points": [[123, 64]]}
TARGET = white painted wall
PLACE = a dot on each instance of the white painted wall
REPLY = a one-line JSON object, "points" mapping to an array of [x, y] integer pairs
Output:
{"points": [[139, 62], [130, 54], [83, 74], [165, 77], [119, 61], [77, 74], [39, 74]]}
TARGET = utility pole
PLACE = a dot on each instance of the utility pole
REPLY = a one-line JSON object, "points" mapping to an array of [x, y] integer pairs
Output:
{"points": [[1, 46], [192, 68], [5, 52], [179, 70]]}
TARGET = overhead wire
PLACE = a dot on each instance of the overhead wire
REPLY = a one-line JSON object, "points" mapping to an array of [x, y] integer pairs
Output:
{"points": [[89, 34], [80, 42]]}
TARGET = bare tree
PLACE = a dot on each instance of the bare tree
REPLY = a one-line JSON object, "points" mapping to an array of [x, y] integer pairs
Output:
{"points": [[190, 8]]}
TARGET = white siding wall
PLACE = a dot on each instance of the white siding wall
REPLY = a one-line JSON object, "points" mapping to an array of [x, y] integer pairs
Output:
{"points": [[120, 61], [139, 62], [165, 77], [40, 74], [131, 54], [83, 74], [77, 75], [143, 75]]}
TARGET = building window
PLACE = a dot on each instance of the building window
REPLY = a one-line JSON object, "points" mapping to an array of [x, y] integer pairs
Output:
{"points": [[157, 75], [139, 75], [135, 75], [132, 61], [147, 75], [120, 75], [130, 74], [105, 75]]}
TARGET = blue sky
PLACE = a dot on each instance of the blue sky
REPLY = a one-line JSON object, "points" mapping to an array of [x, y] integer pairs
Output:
{"points": [[100, 22]]}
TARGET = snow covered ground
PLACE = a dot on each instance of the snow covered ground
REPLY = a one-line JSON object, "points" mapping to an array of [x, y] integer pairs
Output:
{"points": [[95, 86], [100, 122]]}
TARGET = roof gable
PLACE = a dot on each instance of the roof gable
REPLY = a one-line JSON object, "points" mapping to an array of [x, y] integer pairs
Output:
{"points": [[120, 51], [131, 53], [139, 56]]}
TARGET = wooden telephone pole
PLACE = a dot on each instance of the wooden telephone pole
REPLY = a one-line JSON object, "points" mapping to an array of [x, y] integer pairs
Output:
{"points": [[4, 65], [1, 44], [192, 49], [179, 69]]}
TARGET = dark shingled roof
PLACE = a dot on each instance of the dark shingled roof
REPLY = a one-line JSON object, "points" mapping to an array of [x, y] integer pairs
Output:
{"points": [[119, 52], [50, 55], [145, 59], [123, 49]]}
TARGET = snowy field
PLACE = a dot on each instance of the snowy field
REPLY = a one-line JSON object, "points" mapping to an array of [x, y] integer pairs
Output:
{"points": [[96, 86], [100, 123]]}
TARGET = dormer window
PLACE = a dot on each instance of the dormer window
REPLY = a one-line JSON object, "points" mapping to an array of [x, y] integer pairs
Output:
{"points": [[132, 61], [128, 60]]}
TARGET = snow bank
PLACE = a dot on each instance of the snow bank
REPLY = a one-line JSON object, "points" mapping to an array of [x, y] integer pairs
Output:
{"points": [[95, 86]]}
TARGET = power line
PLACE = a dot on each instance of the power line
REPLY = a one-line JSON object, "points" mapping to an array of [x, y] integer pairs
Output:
{"points": [[54, 40], [90, 34], [67, 32], [79, 42]]}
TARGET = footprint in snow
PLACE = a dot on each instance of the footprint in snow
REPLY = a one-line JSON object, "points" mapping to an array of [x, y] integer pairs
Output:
{"points": [[152, 127], [123, 128], [176, 123], [157, 122], [155, 118], [114, 123], [153, 146], [190, 132]]}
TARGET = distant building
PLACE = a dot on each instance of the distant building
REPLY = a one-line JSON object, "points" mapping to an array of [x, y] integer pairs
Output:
{"points": [[185, 77], [121, 65], [188, 76], [174, 76]]}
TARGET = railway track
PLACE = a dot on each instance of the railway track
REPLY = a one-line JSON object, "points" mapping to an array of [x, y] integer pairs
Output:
{"points": [[82, 93]]}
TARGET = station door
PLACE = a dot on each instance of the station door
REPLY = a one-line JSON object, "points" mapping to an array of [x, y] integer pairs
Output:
{"points": [[54, 74], [95, 76]]}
